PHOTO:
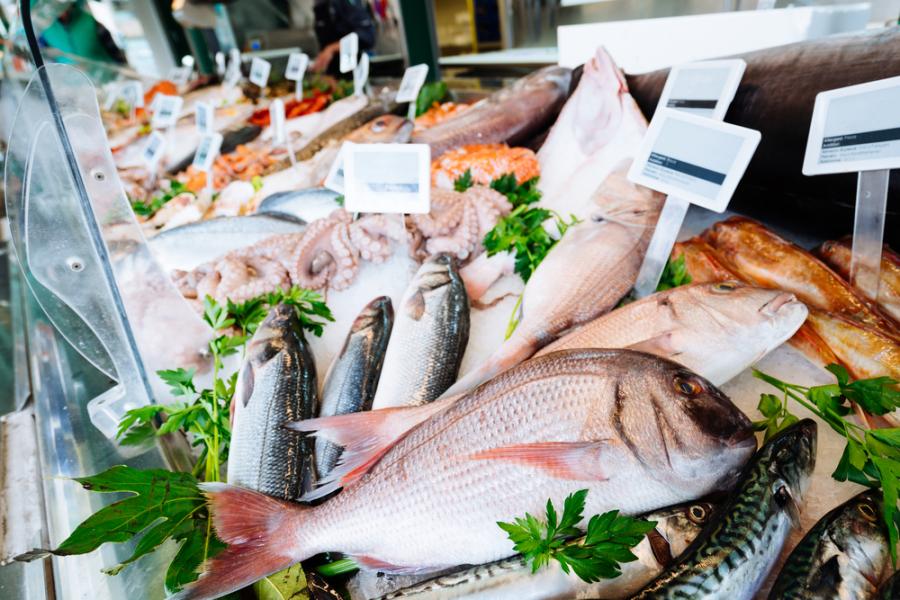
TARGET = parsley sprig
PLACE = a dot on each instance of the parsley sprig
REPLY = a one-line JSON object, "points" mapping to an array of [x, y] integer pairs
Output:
{"points": [[148, 209], [871, 456], [593, 555], [675, 274]]}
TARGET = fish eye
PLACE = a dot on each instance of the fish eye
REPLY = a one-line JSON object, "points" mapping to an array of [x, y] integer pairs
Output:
{"points": [[697, 513], [868, 512], [378, 126], [725, 287], [687, 386]]}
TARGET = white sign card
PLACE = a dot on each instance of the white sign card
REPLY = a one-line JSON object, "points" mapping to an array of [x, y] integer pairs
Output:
{"points": [[180, 75], [168, 109], [693, 158], [413, 79], [855, 128], [387, 178], [335, 179], [704, 88], [259, 71], [133, 94], [154, 149], [187, 61], [207, 150], [233, 73], [220, 64], [205, 116], [349, 52], [276, 116], [296, 66], [361, 75]]}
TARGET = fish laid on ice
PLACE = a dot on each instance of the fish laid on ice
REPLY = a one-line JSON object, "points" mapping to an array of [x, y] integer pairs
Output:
{"points": [[733, 555], [843, 556], [837, 255], [276, 385], [429, 339], [309, 204], [582, 277], [637, 431], [715, 329], [512, 115], [599, 128], [350, 383], [512, 578], [764, 258]]}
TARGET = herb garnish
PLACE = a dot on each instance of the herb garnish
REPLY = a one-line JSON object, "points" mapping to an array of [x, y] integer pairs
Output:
{"points": [[431, 92], [464, 181], [675, 274], [871, 456], [595, 556], [148, 209]]}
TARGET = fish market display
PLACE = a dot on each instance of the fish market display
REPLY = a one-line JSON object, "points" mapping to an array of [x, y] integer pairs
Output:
{"points": [[350, 383], [717, 330], [513, 579], [512, 116], [484, 163], [309, 204], [843, 556], [582, 277], [277, 385], [733, 555], [866, 352], [437, 113], [837, 255], [566, 420], [429, 337], [293, 108]]}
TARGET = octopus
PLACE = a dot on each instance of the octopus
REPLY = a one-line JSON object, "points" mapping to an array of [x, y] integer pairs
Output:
{"points": [[485, 163], [325, 256], [457, 222]]}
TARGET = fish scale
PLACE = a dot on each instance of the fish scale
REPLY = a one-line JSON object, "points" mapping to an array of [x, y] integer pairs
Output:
{"points": [[735, 553]]}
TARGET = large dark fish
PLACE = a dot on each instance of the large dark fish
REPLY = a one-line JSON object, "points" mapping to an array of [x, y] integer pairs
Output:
{"points": [[776, 97], [276, 385], [843, 556], [512, 115], [351, 381], [732, 557]]}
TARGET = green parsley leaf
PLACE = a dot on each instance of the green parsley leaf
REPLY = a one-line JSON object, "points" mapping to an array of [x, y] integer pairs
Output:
{"points": [[308, 304], [431, 92], [464, 181], [339, 200], [674, 274]]}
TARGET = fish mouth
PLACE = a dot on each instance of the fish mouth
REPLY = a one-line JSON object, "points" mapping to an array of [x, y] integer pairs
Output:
{"points": [[771, 307], [744, 439]]}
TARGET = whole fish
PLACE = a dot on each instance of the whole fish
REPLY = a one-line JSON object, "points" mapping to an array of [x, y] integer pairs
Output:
{"points": [[761, 257], [731, 558], [343, 128], [309, 204], [430, 482], [276, 385], [837, 255], [513, 579], [350, 382], [583, 276], [843, 556], [429, 339], [512, 115], [598, 129], [715, 329], [890, 590]]}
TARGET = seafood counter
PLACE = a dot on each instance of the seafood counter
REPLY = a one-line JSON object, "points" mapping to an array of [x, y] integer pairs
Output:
{"points": [[468, 402]]}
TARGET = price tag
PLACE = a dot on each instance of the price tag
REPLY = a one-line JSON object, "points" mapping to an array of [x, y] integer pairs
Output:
{"points": [[349, 52], [690, 157], [259, 71], [180, 75], [233, 73], [296, 66], [221, 67], [361, 75], [335, 179], [387, 178], [205, 116], [207, 150], [703, 88], [133, 94], [168, 109], [154, 149], [188, 61], [276, 116], [413, 78]]}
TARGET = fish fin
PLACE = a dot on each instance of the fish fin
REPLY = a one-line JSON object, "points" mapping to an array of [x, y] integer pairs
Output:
{"points": [[253, 526], [660, 345], [562, 460], [365, 437], [370, 563]]}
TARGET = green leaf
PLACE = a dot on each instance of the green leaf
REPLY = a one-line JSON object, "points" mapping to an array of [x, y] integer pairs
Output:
{"points": [[464, 181], [338, 567], [430, 93], [289, 584], [674, 274]]}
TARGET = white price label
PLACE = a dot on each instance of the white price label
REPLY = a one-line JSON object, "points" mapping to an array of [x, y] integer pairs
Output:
{"points": [[168, 109], [361, 75], [855, 128], [276, 116], [335, 179], [207, 150], [233, 73], [703, 88], [296, 66], [259, 71], [154, 149], [220, 64], [205, 116], [413, 79], [133, 94], [693, 158], [387, 178], [188, 61], [180, 75], [349, 52]]}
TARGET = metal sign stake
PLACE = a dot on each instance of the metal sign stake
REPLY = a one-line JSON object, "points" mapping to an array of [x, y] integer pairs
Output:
{"points": [[664, 236], [868, 231]]}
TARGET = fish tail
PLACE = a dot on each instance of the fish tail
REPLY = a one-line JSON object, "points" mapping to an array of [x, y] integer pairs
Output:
{"points": [[255, 527]]}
